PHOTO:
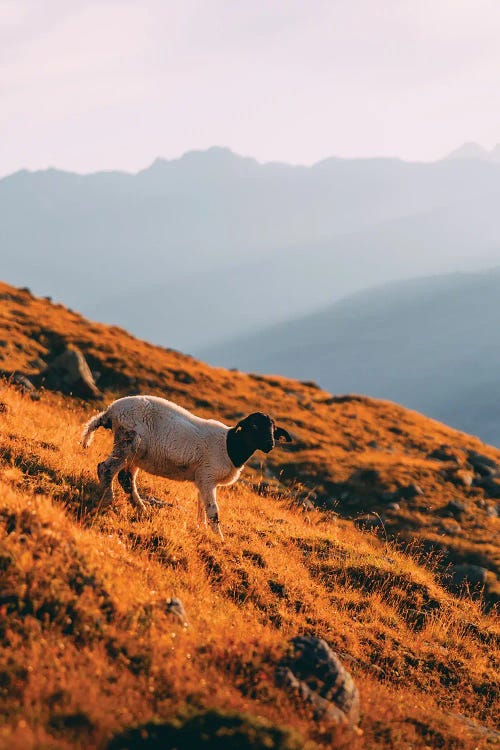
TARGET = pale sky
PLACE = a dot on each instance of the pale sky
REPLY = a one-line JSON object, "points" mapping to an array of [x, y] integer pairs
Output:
{"points": [[111, 84]]}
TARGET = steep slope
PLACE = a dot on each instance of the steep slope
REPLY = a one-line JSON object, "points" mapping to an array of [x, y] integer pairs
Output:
{"points": [[88, 647], [119, 244], [430, 344]]}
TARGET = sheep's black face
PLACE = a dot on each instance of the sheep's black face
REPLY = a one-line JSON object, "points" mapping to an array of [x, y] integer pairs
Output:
{"points": [[257, 430]]}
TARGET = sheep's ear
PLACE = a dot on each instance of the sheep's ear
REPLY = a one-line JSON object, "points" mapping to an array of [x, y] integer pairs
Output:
{"points": [[279, 432]]}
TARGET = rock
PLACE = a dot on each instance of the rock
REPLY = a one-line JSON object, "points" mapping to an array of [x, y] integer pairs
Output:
{"points": [[70, 373], [369, 522], [175, 607], [388, 497], [23, 383], [464, 574], [409, 492], [394, 506], [455, 508], [492, 511], [491, 488], [478, 460], [315, 674], [450, 526], [443, 453], [462, 477]]}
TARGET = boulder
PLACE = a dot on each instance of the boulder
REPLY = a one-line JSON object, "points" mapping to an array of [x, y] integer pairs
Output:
{"points": [[315, 674], [70, 373], [443, 453], [478, 461], [464, 574]]}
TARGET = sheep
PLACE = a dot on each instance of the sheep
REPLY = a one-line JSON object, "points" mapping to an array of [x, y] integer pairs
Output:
{"points": [[162, 438]]}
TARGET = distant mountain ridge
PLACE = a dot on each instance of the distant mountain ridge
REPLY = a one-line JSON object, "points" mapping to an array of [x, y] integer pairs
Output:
{"points": [[192, 251], [432, 344], [471, 150]]}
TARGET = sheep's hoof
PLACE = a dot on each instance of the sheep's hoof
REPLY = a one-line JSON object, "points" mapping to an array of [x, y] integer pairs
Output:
{"points": [[154, 501], [217, 530]]}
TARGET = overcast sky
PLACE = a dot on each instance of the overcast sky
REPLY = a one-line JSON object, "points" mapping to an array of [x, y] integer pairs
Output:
{"points": [[115, 83]]}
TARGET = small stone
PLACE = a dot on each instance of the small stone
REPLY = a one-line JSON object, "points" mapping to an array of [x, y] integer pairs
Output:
{"points": [[371, 521], [465, 574], [456, 507], [393, 506], [450, 526], [23, 383], [463, 477], [409, 492], [175, 607]]}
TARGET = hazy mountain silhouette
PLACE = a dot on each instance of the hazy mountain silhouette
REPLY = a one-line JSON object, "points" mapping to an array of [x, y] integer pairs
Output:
{"points": [[473, 150], [432, 344], [195, 250]]}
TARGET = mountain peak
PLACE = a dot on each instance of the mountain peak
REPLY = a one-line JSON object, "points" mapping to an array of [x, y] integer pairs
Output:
{"points": [[469, 150]]}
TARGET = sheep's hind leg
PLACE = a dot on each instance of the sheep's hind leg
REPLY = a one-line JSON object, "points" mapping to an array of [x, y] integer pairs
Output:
{"points": [[106, 472]]}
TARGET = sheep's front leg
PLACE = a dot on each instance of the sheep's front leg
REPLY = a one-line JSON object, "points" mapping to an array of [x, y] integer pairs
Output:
{"points": [[209, 496]]}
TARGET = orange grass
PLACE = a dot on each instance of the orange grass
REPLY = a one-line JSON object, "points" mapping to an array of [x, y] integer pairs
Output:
{"points": [[88, 648]]}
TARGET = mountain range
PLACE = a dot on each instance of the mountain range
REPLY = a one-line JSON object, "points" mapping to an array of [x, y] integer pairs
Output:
{"points": [[191, 252], [432, 344]]}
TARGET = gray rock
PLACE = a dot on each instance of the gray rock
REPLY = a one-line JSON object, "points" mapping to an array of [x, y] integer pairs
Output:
{"points": [[371, 521], [175, 607], [409, 492], [468, 575], [70, 373], [478, 460], [23, 383], [456, 508], [443, 453], [490, 487], [394, 506], [315, 674], [462, 477]]}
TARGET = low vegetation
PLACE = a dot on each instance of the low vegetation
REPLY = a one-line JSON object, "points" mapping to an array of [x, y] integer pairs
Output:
{"points": [[91, 656]]}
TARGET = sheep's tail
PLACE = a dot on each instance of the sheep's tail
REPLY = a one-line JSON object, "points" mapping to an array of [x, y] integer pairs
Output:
{"points": [[100, 420]]}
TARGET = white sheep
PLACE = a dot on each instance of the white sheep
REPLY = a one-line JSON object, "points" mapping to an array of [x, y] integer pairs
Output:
{"points": [[162, 438]]}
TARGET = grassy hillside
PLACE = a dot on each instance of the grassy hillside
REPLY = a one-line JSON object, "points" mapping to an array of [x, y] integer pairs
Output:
{"points": [[88, 646]]}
